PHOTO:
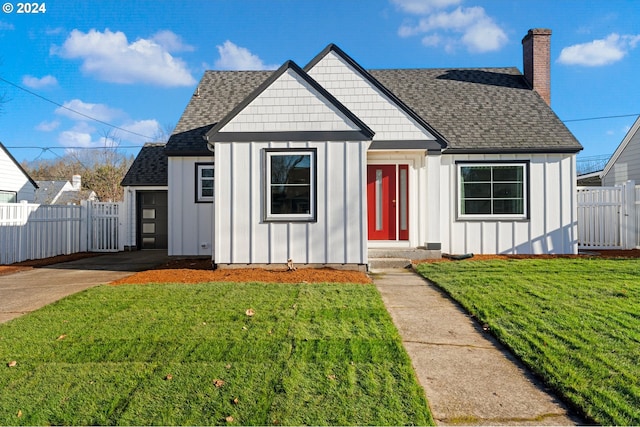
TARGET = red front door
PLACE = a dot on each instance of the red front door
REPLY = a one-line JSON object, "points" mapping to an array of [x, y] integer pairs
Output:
{"points": [[387, 213]]}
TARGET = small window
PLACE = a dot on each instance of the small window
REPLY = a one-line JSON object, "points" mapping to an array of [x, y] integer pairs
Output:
{"points": [[8, 197], [204, 182], [290, 177], [492, 191]]}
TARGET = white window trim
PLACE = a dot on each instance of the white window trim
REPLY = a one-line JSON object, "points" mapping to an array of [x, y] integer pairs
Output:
{"points": [[494, 217], [199, 168], [268, 215]]}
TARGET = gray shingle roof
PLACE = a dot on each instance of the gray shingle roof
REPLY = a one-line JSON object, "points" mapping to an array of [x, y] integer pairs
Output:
{"points": [[149, 168], [476, 109], [217, 93], [480, 109]]}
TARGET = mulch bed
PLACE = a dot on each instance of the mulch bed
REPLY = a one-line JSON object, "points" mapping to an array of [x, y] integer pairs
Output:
{"points": [[200, 270]]}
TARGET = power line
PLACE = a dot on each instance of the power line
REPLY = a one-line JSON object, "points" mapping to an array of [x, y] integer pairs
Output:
{"points": [[600, 118], [72, 110]]}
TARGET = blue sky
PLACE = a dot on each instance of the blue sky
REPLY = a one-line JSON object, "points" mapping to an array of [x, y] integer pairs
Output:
{"points": [[133, 65]]}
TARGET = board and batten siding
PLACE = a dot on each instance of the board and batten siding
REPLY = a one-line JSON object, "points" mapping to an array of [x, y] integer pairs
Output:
{"points": [[190, 223], [338, 236], [12, 179], [551, 228]]}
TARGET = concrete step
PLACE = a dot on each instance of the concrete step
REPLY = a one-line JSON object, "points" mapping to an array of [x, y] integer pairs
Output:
{"points": [[408, 253], [388, 262]]}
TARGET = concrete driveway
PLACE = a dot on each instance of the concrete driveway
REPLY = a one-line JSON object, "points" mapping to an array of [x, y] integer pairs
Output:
{"points": [[26, 291]]}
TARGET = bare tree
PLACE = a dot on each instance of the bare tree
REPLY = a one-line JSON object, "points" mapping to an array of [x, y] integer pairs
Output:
{"points": [[102, 169]]}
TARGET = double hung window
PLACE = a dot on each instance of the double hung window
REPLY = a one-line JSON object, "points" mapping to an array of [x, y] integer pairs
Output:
{"points": [[204, 182], [290, 178]]}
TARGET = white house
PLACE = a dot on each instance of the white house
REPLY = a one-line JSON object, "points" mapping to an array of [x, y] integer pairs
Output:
{"points": [[63, 192], [15, 183], [324, 163], [624, 164]]}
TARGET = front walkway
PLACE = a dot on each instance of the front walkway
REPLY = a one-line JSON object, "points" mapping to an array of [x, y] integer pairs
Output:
{"points": [[467, 376]]}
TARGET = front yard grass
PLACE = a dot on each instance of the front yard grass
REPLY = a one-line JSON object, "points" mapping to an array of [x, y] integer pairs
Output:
{"points": [[193, 355], [575, 322]]}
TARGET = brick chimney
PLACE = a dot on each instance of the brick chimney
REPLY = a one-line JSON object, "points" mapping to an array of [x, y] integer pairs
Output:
{"points": [[536, 55]]}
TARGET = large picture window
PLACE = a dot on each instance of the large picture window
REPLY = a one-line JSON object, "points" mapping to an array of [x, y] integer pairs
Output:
{"points": [[204, 182], [492, 190], [290, 177]]}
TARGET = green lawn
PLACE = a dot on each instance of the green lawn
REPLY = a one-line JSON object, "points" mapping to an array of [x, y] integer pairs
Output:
{"points": [[151, 355], [575, 322]]}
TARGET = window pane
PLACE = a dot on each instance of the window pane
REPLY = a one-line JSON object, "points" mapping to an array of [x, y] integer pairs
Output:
{"points": [[290, 169], [472, 191], [476, 173], [207, 183], [206, 172], [508, 206], [207, 192], [290, 199], [477, 207], [148, 213], [507, 173], [7, 197], [509, 191]]}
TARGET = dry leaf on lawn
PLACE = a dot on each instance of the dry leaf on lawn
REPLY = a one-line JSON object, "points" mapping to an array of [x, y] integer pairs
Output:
{"points": [[229, 419], [218, 383], [12, 364], [250, 312]]}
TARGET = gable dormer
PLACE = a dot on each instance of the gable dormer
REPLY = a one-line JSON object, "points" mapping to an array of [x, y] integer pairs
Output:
{"points": [[290, 106], [379, 108]]}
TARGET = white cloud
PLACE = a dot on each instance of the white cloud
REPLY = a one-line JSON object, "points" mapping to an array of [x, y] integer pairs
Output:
{"points": [[110, 57], [100, 112], [171, 41], [48, 126], [470, 27], [421, 7], [233, 57], [149, 128], [39, 83], [599, 52]]}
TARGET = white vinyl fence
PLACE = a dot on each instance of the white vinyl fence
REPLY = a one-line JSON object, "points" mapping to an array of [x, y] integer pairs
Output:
{"points": [[30, 231], [609, 217]]}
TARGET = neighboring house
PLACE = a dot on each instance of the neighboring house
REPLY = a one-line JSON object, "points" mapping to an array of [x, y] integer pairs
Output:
{"points": [[63, 192], [591, 179], [624, 164], [15, 183], [322, 163]]}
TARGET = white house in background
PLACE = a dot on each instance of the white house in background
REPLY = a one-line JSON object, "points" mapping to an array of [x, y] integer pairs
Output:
{"points": [[324, 163], [15, 183], [624, 164], [63, 192]]}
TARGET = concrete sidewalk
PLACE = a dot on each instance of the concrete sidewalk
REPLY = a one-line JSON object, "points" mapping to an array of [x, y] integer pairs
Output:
{"points": [[467, 376], [30, 290]]}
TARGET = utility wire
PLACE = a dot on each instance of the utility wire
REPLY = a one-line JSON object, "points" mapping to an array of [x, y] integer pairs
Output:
{"points": [[72, 110], [600, 118]]}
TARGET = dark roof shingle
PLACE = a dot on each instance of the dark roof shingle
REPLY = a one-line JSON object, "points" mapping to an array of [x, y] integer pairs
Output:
{"points": [[150, 167], [475, 109]]}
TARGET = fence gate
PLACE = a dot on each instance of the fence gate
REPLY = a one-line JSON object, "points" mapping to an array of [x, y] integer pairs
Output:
{"points": [[608, 217], [104, 232]]}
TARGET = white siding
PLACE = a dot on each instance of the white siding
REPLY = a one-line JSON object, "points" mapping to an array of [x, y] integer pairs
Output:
{"points": [[551, 227], [626, 166], [388, 121], [338, 236], [190, 223], [289, 104], [14, 180]]}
